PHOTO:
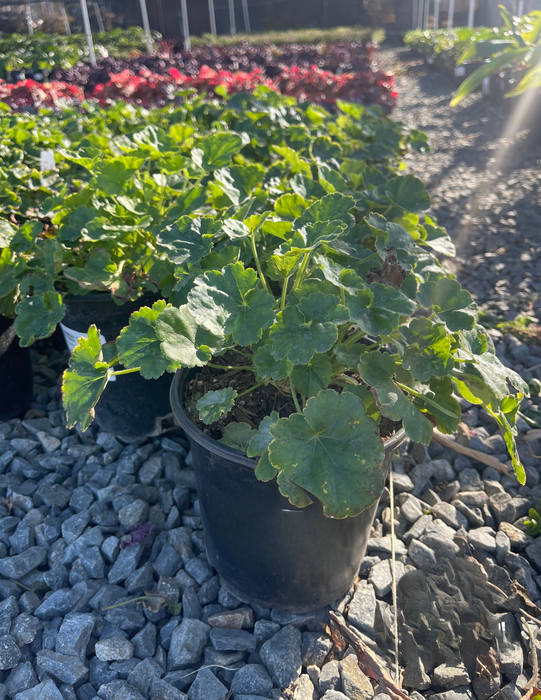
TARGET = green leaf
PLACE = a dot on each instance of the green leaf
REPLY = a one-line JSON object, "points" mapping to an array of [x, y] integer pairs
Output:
{"points": [[183, 341], [188, 202], [310, 378], [441, 404], [428, 350], [76, 223], [290, 206], [294, 494], [238, 181], [363, 392], [25, 236], [298, 164], [269, 368], [377, 309], [407, 192], [377, 370], [283, 265], [113, 174], [349, 356], [322, 232], [7, 231], [235, 229], [85, 380], [261, 440], [477, 77], [232, 302], [332, 450], [215, 151], [99, 272], [307, 328], [139, 346], [188, 240], [329, 208], [452, 303], [8, 276], [38, 316], [324, 149], [237, 436], [214, 404], [438, 239]]}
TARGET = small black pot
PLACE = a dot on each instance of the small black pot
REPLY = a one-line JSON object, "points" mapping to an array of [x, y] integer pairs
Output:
{"points": [[266, 550], [16, 379], [130, 406]]}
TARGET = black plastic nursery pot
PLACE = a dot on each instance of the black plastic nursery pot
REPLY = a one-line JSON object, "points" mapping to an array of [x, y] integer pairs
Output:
{"points": [[266, 550], [130, 407], [16, 379]]}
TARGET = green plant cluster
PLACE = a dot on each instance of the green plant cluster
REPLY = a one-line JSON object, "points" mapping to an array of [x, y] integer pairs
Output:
{"points": [[519, 48], [297, 242], [43, 52], [96, 222], [294, 36], [450, 44]]}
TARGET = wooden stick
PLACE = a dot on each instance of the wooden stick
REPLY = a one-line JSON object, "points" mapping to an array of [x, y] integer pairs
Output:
{"points": [[368, 661], [474, 454]]}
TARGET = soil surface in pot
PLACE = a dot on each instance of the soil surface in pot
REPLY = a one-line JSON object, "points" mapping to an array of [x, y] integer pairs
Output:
{"points": [[253, 407]]}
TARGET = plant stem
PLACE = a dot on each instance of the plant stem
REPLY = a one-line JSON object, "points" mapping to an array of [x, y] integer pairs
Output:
{"points": [[126, 602], [125, 371], [429, 401], [251, 369], [346, 378], [294, 397], [113, 362], [244, 354], [354, 338], [284, 292], [248, 391], [257, 263], [300, 274]]}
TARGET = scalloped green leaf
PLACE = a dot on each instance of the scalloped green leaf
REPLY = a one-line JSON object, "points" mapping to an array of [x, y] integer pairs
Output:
{"points": [[260, 441], [232, 302], [333, 451], [332, 207], [38, 316], [214, 404], [25, 236], [237, 436], [428, 350], [215, 151], [377, 309], [454, 305], [349, 356], [322, 232], [377, 370], [294, 494], [76, 223], [407, 192], [441, 397], [188, 240], [112, 174], [188, 202], [238, 181], [308, 327], [85, 380], [315, 375], [438, 239], [139, 346], [7, 231], [269, 368], [290, 206], [182, 340], [8, 277], [98, 273], [235, 229]]}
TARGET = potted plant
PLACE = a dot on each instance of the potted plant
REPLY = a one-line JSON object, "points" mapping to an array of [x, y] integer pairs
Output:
{"points": [[322, 336]]}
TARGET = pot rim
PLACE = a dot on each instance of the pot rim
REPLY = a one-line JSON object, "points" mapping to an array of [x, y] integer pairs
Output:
{"points": [[177, 386]]}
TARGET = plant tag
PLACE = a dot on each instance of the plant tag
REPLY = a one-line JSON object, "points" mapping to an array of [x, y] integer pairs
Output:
{"points": [[72, 340], [486, 86], [47, 161], [430, 60], [460, 71]]}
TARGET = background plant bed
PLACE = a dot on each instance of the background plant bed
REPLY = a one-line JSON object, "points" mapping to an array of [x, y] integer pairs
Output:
{"points": [[271, 552]]}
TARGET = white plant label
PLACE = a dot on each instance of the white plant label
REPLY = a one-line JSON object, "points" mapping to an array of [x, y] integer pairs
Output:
{"points": [[47, 161], [430, 60], [460, 72], [486, 86], [72, 340]]}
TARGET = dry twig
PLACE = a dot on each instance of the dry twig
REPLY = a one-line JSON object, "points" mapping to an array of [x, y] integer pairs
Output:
{"points": [[474, 454], [368, 661]]}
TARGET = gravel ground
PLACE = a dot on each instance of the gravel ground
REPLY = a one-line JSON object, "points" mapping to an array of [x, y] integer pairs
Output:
{"points": [[484, 185], [88, 522]]}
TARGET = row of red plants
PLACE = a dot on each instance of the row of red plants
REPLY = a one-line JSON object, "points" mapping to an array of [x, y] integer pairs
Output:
{"points": [[149, 89]]}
